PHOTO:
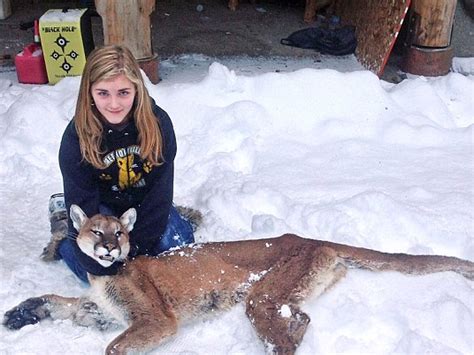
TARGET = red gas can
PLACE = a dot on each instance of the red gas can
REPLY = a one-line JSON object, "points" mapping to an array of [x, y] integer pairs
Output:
{"points": [[30, 67]]}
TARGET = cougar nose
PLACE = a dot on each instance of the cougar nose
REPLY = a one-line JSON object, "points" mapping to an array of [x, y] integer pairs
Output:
{"points": [[109, 246]]}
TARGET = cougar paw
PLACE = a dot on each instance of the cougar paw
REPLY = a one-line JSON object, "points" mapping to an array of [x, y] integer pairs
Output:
{"points": [[297, 326], [27, 312], [89, 314]]}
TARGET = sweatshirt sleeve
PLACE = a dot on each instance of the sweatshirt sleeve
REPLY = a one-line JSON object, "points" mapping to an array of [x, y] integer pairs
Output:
{"points": [[81, 189], [153, 212]]}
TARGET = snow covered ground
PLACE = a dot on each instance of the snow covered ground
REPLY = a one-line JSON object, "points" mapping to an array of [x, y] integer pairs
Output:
{"points": [[272, 147]]}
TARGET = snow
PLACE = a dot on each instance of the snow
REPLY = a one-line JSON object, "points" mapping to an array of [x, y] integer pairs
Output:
{"points": [[268, 147], [285, 311]]}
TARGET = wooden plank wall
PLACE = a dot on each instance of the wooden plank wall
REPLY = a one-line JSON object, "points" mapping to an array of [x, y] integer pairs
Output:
{"points": [[377, 25]]}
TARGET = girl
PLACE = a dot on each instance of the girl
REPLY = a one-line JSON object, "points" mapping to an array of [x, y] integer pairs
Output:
{"points": [[118, 153]]}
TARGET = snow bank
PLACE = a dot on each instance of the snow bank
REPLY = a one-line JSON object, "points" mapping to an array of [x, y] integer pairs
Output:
{"points": [[337, 156]]}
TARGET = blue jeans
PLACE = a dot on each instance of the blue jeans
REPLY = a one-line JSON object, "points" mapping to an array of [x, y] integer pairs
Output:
{"points": [[178, 232]]}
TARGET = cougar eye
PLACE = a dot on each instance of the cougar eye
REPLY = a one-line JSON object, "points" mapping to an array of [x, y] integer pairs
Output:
{"points": [[118, 234], [97, 233]]}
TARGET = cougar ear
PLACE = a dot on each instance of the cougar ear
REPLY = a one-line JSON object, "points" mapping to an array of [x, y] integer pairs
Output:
{"points": [[78, 217], [129, 218]]}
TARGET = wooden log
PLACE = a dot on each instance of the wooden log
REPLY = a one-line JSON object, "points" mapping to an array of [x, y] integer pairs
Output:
{"points": [[128, 23], [232, 4], [312, 6], [432, 22], [5, 9]]}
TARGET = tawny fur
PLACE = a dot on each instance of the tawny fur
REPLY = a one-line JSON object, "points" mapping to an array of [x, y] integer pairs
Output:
{"points": [[152, 296]]}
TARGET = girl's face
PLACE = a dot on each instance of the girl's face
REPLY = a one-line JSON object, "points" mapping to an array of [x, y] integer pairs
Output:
{"points": [[114, 98]]}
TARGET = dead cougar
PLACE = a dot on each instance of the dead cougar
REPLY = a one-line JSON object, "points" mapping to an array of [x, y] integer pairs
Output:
{"points": [[153, 295]]}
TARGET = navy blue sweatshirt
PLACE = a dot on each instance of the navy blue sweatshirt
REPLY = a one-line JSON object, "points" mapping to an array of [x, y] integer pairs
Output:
{"points": [[127, 181]]}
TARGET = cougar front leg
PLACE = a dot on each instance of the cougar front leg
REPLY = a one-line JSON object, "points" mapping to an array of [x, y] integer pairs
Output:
{"points": [[80, 310], [35, 309], [272, 304]]}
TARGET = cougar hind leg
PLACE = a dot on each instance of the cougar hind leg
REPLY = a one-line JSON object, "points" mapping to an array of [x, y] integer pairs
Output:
{"points": [[142, 336], [272, 304], [150, 315]]}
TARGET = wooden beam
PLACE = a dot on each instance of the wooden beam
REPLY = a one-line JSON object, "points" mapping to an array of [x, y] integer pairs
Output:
{"points": [[128, 23], [432, 22]]}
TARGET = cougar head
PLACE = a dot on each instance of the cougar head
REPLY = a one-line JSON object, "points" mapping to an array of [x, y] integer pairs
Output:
{"points": [[103, 238]]}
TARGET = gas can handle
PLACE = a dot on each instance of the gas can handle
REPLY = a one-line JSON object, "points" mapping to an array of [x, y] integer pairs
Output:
{"points": [[30, 49], [36, 32]]}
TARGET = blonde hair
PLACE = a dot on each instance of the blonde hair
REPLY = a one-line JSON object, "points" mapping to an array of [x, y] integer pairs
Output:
{"points": [[103, 64]]}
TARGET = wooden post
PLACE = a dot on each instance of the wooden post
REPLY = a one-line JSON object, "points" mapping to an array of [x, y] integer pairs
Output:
{"points": [[5, 9], [128, 23], [312, 6], [433, 22], [429, 51]]}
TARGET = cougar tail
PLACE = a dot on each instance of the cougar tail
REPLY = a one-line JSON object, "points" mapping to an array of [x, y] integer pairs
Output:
{"points": [[404, 263]]}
